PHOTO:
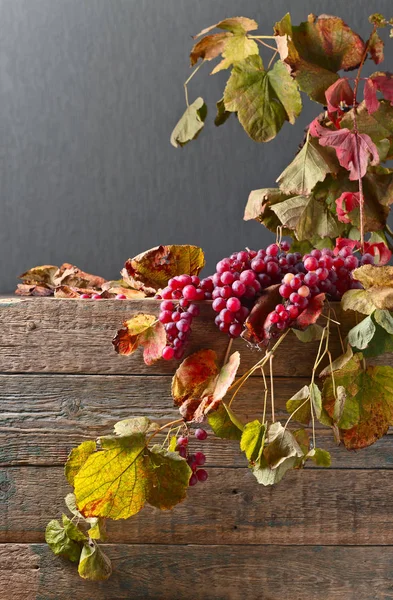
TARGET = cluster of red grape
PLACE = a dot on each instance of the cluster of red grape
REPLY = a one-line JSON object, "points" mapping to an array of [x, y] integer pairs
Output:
{"points": [[177, 318], [194, 460], [239, 281], [324, 272]]}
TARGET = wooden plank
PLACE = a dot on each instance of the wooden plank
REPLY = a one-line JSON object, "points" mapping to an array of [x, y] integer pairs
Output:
{"points": [[332, 507], [203, 573], [42, 417], [74, 336]]}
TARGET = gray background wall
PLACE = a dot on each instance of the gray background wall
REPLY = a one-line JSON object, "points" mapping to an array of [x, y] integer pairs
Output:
{"points": [[89, 93]]}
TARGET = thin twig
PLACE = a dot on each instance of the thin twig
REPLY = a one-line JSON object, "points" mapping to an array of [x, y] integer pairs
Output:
{"points": [[228, 350], [189, 79], [272, 58], [267, 45], [272, 386]]}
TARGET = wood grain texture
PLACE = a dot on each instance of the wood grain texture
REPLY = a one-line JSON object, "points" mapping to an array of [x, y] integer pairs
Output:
{"points": [[74, 336], [42, 417], [332, 507], [204, 572]]}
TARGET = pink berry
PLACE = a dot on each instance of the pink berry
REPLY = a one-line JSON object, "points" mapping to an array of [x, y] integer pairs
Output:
{"points": [[272, 250], [285, 290], [247, 277], [235, 330], [193, 480], [96, 297], [184, 280], [121, 297], [219, 304], [227, 278], [189, 292], [238, 288], [200, 434], [226, 316], [311, 263], [233, 304], [182, 441], [168, 353], [201, 475], [200, 459], [304, 291], [85, 296], [165, 316], [182, 451]]}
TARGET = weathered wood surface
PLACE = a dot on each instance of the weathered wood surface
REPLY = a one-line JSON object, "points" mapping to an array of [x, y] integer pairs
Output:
{"points": [[30, 572], [320, 534], [332, 507], [42, 417], [75, 336]]}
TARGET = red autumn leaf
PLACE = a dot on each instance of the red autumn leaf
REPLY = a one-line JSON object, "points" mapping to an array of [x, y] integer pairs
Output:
{"points": [[257, 324], [199, 385], [141, 330], [343, 242], [377, 249], [311, 314], [345, 204], [370, 97], [337, 95], [209, 47], [345, 143]]}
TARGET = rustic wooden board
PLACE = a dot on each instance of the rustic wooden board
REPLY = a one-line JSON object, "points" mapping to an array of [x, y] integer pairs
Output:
{"points": [[332, 507], [204, 573], [75, 336]]}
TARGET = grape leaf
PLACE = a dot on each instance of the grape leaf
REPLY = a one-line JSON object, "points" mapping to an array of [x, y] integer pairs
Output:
{"points": [[97, 530], [190, 124], [360, 335], [151, 270], [259, 205], [378, 125], [25, 289], [316, 49], [94, 564], [368, 408], [378, 283], [135, 425], [381, 343], [370, 97], [72, 276], [384, 319], [263, 100], [307, 216], [64, 540], [375, 47], [382, 82], [281, 454], [77, 458], [43, 275], [225, 424], [303, 414], [234, 45], [312, 333], [257, 323], [340, 92], [338, 363], [345, 142], [117, 480], [359, 301], [198, 385], [310, 314], [345, 204], [253, 440], [309, 166], [321, 457], [141, 330]]}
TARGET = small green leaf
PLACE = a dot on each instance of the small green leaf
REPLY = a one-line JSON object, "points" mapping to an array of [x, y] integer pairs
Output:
{"points": [[77, 459], [302, 415], [309, 166], [311, 334], [263, 100], [384, 319], [94, 564], [98, 530], [59, 539], [381, 343], [360, 335], [169, 480], [359, 301], [321, 457], [281, 446], [172, 444], [316, 399], [253, 440], [225, 424], [222, 114], [190, 124], [135, 425]]}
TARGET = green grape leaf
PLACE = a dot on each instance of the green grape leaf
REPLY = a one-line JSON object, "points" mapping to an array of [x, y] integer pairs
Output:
{"points": [[338, 363], [234, 44], [77, 459], [367, 409], [61, 539], [222, 114], [316, 399], [381, 343], [313, 333], [384, 319], [151, 270], [169, 479], [97, 530], [299, 405], [119, 478], [190, 124], [263, 100], [259, 205], [316, 49], [93, 563], [360, 335], [309, 166], [308, 216], [225, 424], [303, 439], [321, 457], [359, 301], [141, 330], [253, 439]]}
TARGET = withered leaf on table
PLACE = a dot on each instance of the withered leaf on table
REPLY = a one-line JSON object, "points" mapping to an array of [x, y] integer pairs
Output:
{"points": [[121, 287], [72, 276], [24, 289], [39, 275], [151, 270]]}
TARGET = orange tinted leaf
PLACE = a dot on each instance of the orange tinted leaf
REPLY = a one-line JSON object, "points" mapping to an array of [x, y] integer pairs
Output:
{"points": [[40, 275], [152, 269], [226, 376], [209, 47], [257, 324], [141, 330], [195, 377], [72, 276]]}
